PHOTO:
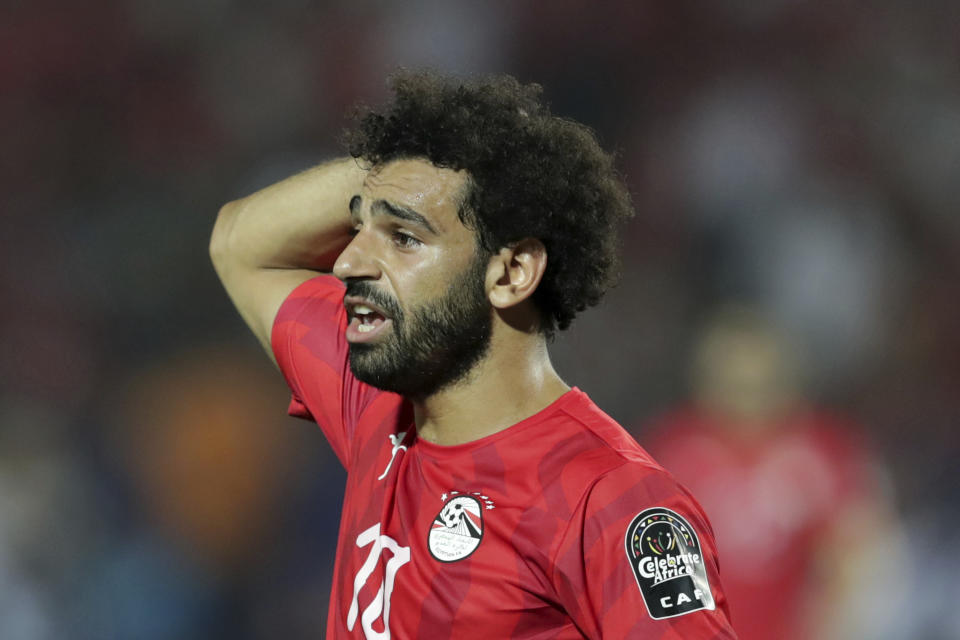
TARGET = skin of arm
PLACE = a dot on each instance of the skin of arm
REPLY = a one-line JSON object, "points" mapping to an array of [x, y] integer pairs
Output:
{"points": [[264, 245]]}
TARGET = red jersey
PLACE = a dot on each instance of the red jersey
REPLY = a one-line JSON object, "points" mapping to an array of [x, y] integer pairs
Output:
{"points": [[773, 500], [559, 526]]}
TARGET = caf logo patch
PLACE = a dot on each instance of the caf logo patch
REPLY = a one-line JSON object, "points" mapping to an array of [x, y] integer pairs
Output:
{"points": [[457, 530], [665, 556]]}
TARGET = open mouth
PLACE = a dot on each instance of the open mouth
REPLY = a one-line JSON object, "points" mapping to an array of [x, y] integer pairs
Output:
{"points": [[366, 320]]}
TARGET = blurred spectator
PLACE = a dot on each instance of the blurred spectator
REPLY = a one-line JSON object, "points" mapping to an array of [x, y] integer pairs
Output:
{"points": [[47, 518], [796, 497], [788, 217], [215, 548]]}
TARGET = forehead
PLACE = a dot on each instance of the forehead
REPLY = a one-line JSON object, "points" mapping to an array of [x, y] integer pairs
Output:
{"points": [[435, 192]]}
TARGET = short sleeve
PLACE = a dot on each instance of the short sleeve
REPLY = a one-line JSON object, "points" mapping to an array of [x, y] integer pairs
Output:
{"points": [[312, 353], [639, 561]]}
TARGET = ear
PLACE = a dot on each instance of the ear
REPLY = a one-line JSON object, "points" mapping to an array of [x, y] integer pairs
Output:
{"points": [[514, 273]]}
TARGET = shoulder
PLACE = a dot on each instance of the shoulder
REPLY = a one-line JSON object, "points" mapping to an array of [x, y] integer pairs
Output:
{"points": [[307, 340], [319, 299], [605, 475], [588, 443], [638, 541], [635, 487], [621, 478]]}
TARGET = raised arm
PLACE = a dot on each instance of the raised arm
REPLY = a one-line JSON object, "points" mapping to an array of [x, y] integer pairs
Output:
{"points": [[263, 246]]}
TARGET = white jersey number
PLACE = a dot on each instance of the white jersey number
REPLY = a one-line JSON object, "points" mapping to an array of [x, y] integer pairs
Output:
{"points": [[381, 601]]}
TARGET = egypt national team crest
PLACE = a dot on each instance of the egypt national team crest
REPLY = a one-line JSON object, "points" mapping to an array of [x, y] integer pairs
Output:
{"points": [[457, 530], [665, 555]]}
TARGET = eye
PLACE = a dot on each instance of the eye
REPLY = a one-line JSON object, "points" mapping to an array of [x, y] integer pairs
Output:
{"points": [[405, 240]]}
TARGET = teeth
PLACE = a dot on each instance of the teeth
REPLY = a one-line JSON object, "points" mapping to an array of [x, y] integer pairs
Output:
{"points": [[364, 328], [362, 310]]}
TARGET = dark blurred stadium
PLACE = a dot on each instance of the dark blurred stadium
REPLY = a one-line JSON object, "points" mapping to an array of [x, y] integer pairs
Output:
{"points": [[801, 159]]}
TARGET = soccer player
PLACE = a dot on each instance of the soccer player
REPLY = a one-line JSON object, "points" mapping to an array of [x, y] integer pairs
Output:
{"points": [[795, 493], [485, 498]]}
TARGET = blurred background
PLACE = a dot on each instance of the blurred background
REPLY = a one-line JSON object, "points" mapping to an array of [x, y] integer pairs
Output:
{"points": [[786, 335]]}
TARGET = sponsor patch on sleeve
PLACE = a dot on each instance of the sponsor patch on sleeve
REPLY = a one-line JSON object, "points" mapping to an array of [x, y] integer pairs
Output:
{"points": [[664, 553]]}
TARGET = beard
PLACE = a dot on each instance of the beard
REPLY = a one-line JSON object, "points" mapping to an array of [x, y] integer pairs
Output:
{"points": [[434, 346]]}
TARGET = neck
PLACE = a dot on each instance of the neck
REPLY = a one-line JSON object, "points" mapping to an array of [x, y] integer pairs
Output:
{"points": [[514, 381]]}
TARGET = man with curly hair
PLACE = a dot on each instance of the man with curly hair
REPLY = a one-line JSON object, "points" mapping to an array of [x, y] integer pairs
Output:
{"points": [[407, 294]]}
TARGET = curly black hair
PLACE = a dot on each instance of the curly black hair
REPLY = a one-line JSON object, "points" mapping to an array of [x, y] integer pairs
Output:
{"points": [[532, 175]]}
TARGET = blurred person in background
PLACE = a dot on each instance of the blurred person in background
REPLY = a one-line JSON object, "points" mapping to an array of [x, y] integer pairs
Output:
{"points": [[799, 501], [212, 486], [48, 513], [485, 497]]}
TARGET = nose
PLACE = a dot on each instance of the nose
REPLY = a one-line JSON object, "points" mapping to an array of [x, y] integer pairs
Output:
{"points": [[357, 260]]}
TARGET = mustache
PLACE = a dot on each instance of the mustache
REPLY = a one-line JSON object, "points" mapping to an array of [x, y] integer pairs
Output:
{"points": [[368, 291]]}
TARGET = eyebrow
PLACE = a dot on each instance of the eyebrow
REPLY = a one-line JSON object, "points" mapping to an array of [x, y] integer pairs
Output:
{"points": [[399, 211]]}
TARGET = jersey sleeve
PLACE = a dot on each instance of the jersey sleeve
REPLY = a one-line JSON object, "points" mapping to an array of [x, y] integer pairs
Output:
{"points": [[639, 561], [312, 353]]}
